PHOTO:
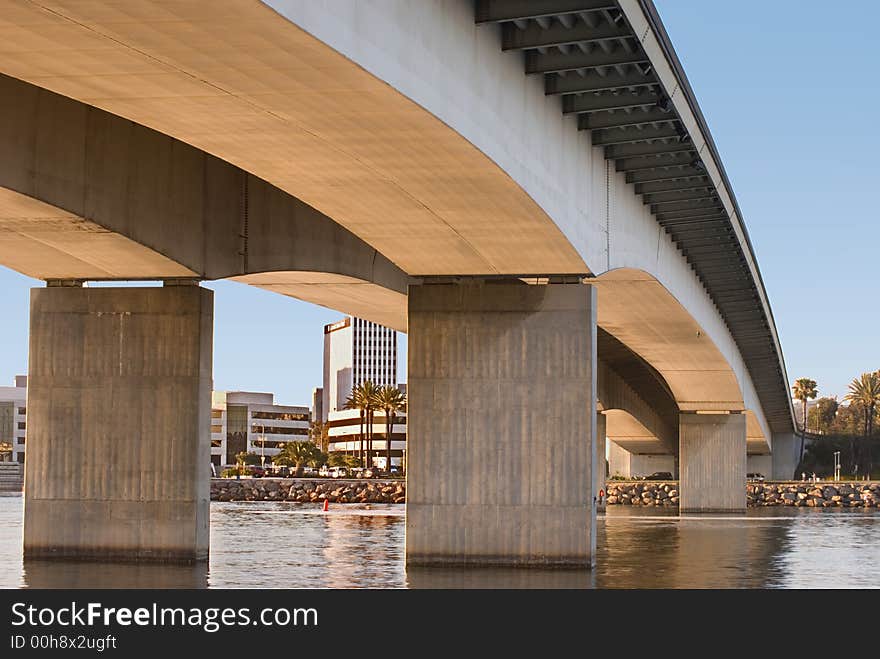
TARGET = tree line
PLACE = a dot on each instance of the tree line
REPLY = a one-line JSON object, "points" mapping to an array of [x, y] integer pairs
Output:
{"points": [[853, 427], [367, 398]]}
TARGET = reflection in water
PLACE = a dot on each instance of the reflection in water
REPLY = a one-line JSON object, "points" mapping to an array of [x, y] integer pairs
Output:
{"points": [[293, 545], [693, 551], [290, 545], [74, 574], [497, 578]]}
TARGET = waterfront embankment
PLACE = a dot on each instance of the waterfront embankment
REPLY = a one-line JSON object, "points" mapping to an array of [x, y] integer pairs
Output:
{"points": [[308, 490], [632, 493], [792, 493]]}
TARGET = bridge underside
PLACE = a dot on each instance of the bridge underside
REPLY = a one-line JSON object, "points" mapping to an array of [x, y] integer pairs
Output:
{"points": [[140, 143]]}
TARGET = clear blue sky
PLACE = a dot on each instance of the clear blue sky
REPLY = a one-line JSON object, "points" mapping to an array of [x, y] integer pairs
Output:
{"points": [[789, 89], [790, 94]]}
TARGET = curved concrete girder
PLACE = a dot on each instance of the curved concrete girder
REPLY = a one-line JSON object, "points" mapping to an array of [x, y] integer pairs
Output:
{"points": [[426, 188], [625, 430], [756, 442], [347, 294], [640, 312], [44, 241], [88, 195], [616, 395], [293, 111]]}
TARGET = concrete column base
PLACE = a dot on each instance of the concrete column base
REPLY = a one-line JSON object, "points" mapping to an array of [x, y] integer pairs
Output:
{"points": [[501, 438], [119, 407], [712, 462], [601, 470]]}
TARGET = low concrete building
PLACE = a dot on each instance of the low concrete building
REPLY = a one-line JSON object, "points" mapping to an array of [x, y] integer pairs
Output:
{"points": [[345, 428], [251, 422], [13, 418]]}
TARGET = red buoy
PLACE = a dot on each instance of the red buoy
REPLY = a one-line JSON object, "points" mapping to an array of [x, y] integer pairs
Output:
{"points": [[326, 505]]}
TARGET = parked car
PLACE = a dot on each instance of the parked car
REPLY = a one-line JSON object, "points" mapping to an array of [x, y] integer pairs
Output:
{"points": [[658, 476], [282, 470], [338, 472], [324, 471], [755, 477], [372, 472], [256, 471]]}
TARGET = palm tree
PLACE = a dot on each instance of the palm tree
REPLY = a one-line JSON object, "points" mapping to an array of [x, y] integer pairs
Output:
{"points": [[864, 391], [804, 389], [391, 400], [363, 398], [356, 401], [298, 454], [319, 432], [371, 395]]}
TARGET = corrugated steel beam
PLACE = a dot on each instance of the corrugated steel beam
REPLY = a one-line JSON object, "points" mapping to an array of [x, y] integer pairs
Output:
{"points": [[630, 135], [497, 11], [648, 166], [660, 174], [616, 151], [670, 185], [556, 61], [704, 192], [621, 118], [590, 102], [557, 34], [674, 206]]}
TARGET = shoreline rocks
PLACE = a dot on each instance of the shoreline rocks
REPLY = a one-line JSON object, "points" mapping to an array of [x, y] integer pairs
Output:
{"points": [[814, 495], [642, 493], [627, 493], [799, 494], [308, 490]]}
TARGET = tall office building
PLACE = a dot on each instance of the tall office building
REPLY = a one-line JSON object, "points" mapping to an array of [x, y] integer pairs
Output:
{"points": [[318, 404], [355, 351]]}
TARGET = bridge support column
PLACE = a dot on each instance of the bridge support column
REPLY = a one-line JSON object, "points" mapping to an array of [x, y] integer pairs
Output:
{"points": [[119, 407], [501, 413], [786, 452], [601, 470], [712, 462]]}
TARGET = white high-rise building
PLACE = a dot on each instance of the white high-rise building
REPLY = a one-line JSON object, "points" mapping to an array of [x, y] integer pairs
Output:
{"points": [[355, 351]]}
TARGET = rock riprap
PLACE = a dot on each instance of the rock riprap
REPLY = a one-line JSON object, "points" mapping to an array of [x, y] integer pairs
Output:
{"points": [[307, 491], [810, 495]]}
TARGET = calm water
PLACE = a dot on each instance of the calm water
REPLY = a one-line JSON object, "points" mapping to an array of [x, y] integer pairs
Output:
{"points": [[284, 545]]}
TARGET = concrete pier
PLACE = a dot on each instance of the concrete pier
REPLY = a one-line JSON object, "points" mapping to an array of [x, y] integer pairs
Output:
{"points": [[119, 396], [501, 413], [600, 473], [712, 462]]}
